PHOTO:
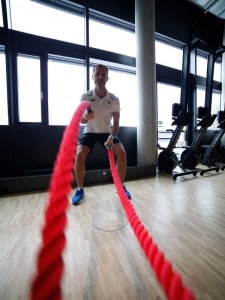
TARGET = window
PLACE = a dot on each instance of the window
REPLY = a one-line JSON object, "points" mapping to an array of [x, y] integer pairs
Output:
{"points": [[3, 91], [112, 38], [66, 83], [168, 55], [200, 97], [216, 103], [1, 18], [202, 63], [217, 71], [29, 88], [167, 95], [216, 107], [201, 66], [43, 20], [122, 83]]}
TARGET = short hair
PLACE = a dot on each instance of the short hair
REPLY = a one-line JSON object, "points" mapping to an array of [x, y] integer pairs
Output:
{"points": [[100, 66]]}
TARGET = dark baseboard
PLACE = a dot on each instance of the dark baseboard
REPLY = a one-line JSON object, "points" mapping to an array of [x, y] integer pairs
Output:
{"points": [[12, 185]]}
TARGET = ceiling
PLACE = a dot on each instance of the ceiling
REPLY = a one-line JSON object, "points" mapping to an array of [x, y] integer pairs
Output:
{"points": [[216, 7]]}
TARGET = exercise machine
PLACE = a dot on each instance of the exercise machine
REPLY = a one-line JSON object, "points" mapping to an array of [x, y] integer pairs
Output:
{"points": [[167, 159], [211, 151], [190, 157]]}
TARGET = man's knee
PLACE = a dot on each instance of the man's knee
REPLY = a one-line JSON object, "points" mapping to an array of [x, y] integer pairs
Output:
{"points": [[82, 152], [121, 153]]}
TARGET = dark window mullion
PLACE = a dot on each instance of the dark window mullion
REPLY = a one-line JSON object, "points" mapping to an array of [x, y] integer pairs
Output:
{"points": [[44, 89]]}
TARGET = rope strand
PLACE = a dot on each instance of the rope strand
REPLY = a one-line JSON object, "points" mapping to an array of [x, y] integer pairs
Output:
{"points": [[46, 284], [170, 280]]}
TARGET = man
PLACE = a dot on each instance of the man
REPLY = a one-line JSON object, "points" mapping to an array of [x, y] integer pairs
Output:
{"points": [[99, 129]]}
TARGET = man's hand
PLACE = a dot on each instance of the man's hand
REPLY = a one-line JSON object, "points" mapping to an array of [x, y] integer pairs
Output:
{"points": [[109, 143], [87, 116]]}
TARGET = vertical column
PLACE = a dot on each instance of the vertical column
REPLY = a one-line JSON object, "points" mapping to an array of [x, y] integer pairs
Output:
{"points": [[146, 82]]}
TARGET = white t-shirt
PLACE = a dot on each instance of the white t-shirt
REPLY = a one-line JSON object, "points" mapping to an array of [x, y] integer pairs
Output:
{"points": [[103, 109]]}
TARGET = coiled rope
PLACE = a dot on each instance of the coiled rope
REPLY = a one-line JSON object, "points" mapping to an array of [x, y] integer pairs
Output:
{"points": [[50, 267]]}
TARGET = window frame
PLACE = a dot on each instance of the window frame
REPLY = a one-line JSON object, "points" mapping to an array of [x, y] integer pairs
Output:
{"points": [[2, 51], [35, 45]]}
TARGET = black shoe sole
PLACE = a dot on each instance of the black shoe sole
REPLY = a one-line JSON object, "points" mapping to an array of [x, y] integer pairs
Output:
{"points": [[77, 203]]}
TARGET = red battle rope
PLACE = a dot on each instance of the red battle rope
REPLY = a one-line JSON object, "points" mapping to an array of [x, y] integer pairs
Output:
{"points": [[170, 281], [46, 284]]}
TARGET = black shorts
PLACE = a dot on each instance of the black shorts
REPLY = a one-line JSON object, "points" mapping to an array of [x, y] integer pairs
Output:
{"points": [[90, 139]]}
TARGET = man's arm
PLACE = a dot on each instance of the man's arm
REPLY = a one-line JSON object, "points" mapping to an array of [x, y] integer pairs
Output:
{"points": [[115, 127], [116, 123], [88, 115]]}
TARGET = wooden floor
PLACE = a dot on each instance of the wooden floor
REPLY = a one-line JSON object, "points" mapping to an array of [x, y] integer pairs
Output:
{"points": [[103, 259]]}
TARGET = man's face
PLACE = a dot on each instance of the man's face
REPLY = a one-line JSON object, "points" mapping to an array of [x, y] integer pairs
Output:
{"points": [[100, 76]]}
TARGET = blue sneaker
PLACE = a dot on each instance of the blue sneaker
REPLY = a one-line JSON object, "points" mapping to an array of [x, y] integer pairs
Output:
{"points": [[127, 193], [78, 196]]}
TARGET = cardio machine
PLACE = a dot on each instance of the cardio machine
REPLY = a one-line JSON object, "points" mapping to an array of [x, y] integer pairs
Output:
{"points": [[190, 157], [167, 159], [211, 151]]}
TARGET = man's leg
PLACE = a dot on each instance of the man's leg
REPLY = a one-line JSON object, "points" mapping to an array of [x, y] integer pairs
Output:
{"points": [[81, 155], [121, 160], [121, 163]]}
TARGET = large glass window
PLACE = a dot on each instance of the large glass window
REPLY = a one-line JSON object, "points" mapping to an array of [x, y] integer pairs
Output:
{"points": [[216, 103], [216, 107], [217, 72], [168, 55], [1, 19], [202, 63], [66, 83], [29, 88], [3, 91], [216, 97], [43, 20], [112, 38], [201, 66], [167, 95], [200, 97], [122, 83]]}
